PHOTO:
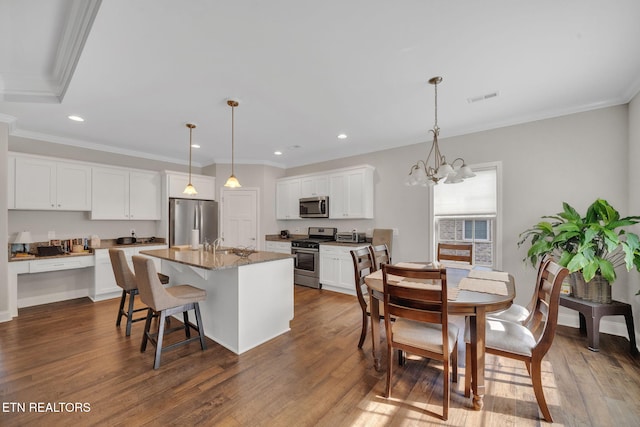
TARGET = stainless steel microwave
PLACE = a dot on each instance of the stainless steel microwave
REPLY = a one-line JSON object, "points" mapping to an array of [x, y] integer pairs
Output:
{"points": [[314, 207]]}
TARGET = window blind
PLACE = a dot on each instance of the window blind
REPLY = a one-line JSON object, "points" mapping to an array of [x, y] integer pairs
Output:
{"points": [[474, 196]]}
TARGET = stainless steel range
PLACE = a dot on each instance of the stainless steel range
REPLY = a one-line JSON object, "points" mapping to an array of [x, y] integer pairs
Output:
{"points": [[307, 256]]}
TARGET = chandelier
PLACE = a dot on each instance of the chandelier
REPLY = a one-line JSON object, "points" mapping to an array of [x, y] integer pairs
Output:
{"points": [[425, 173]]}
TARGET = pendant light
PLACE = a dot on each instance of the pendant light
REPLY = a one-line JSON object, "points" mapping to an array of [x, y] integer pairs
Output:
{"points": [[232, 182], [190, 190]]}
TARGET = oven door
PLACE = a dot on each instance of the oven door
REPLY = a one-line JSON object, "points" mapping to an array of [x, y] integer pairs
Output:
{"points": [[306, 262]]}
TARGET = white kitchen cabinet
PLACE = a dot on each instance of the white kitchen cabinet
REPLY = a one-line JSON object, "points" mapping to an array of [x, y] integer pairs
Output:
{"points": [[336, 268], [125, 194], [205, 186], [45, 184], [314, 185], [11, 179], [288, 199], [104, 282], [280, 247], [351, 193]]}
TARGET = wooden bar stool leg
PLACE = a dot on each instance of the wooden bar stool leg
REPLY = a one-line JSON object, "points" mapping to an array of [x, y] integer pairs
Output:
{"points": [[203, 345], [187, 329], [121, 309], [130, 312], [145, 334], [156, 363]]}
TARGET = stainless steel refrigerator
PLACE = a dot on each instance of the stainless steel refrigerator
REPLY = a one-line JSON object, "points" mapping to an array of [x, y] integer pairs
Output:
{"points": [[189, 214]]}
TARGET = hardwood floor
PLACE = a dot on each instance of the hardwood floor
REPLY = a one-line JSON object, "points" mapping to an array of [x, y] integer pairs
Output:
{"points": [[314, 375]]}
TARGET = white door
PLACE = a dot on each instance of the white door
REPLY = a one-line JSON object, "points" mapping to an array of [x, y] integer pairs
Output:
{"points": [[240, 217]]}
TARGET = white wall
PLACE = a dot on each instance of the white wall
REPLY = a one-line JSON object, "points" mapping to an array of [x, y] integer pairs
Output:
{"points": [[4, 267]]}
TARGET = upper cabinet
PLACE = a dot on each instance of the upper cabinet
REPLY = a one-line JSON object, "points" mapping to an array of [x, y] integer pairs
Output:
{"points": [[205, 186], [45, 184], [288, 199], [125, 194], [314, 185], [351, 193]]}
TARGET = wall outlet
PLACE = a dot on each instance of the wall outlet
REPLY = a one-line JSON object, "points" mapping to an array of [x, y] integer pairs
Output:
{"points": [[133, 232]]}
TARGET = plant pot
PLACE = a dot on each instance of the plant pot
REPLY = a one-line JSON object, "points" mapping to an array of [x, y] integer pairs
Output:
{"points": [[578, 285], [597, 290]]}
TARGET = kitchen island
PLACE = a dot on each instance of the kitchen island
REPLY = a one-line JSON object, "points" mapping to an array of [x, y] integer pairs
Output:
{"points": [[249, 300]]}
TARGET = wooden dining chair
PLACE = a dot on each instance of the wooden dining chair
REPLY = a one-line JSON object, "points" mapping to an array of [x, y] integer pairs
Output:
{"points": [[380, 254], [531, 341], [421, 325], [363, 265], [517, 313], [455, 252]]}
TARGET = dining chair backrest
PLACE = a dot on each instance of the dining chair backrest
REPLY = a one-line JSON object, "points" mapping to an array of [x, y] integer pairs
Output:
{"points": [[424, 304], [363, 265], [544, 317], [534, 297], [455, 252], [380, 255]]}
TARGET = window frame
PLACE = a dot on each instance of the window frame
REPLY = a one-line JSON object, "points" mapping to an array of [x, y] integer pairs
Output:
{"points": [[497, 229]]}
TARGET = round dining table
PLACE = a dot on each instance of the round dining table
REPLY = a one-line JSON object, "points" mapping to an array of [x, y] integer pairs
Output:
{"points": [[472, 304]]}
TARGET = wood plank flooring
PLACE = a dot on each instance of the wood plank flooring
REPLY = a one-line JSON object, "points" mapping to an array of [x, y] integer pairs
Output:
{"points": [[72, 352]]}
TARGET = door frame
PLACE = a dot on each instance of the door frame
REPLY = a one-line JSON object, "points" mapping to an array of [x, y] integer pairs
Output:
{"points": [[256, 190]]}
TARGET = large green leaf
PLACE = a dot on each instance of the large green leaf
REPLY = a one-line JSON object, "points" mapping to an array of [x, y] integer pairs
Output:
{"points": [[606, 269], [569, 213], [589, 270]]}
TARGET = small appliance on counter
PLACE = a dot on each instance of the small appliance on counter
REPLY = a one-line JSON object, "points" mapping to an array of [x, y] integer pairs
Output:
{"points": [[126, 240], [284, 234], [351, 237]]}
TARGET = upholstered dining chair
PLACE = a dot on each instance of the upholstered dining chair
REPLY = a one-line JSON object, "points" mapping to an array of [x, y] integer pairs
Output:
{"points": [[455, 252], [127, 281], [421, 325], [166, 302], [531, 341], [380, 254], [517, 313], [363, 265]]}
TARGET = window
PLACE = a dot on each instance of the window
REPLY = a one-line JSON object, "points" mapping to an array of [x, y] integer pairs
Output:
{"points": [[468, 212], [477, 229]]}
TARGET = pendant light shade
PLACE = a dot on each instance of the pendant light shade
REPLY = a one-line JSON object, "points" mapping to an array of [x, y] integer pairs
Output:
{"points": [[190, 190], [232, 182]]}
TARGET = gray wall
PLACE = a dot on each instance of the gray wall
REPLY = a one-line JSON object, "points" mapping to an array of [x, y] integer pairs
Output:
{"points": [[4, 229]]}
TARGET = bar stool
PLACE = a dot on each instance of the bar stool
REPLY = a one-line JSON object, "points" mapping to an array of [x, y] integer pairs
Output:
{"points": [[166, 302], [127, 281]]}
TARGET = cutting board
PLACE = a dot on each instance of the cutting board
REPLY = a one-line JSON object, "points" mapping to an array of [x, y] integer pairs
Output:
{"points": [[383, 236]]}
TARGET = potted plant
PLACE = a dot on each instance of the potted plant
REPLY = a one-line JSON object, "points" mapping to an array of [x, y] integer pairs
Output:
{"points": [[591, 247]]}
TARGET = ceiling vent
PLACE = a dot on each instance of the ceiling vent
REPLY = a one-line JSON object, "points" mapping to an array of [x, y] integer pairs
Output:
{"points": [[483, 97]]}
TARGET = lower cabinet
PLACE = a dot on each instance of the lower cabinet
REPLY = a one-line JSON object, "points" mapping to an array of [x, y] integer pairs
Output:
{"points": [[105, 286], [280, 247], [336, 268]]}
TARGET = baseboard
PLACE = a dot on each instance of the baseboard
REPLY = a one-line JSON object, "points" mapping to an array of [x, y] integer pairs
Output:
{"points": [[55, 297], [5, 316], [105, 296]]}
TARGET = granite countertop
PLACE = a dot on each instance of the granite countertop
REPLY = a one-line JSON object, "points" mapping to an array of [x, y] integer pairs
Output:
{"points": [[209, 261], [277, 238], [104, 244], [346, 244]]}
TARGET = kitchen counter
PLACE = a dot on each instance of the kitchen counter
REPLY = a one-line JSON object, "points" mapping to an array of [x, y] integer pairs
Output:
{"points": [[209, 261], [346, 243], [249, 300]]}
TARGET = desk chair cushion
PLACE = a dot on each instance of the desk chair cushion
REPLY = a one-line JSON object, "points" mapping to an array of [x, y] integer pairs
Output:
{"points": [[507, 336], [423, 335]]}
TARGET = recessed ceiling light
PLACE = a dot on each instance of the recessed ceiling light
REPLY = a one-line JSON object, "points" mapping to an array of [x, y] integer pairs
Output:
{"points": [[278, 153], [342, 136], [195, 145], [76, 118]]}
